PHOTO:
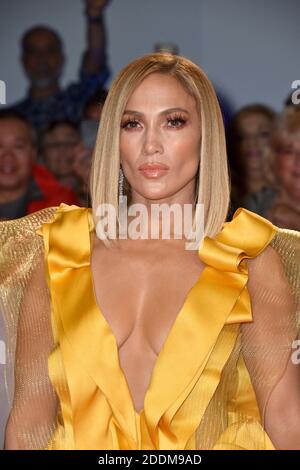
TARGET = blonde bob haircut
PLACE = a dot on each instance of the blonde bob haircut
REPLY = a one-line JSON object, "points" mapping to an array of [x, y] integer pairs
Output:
{"points": [[212, 185]]}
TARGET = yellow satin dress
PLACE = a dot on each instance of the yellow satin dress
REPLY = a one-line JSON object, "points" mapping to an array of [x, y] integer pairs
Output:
{"points": [[200, 392]]}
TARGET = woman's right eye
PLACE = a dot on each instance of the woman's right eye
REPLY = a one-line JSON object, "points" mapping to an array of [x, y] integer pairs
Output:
{"points": [[131, 124]]}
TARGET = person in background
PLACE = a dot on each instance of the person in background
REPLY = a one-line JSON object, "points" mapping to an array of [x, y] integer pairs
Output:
{"points": [[280, 201], [58, 143], [83, 159], [84, 151], [248, 136], [94, 105], [43, 61], [25, 186]]}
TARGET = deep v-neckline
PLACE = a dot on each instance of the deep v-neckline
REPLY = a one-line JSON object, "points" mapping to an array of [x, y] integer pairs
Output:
{"points": [[95, 385], [165, 345]]}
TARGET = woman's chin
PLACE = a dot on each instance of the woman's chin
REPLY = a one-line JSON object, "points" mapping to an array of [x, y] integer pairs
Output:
{"points": [[154, 192]]}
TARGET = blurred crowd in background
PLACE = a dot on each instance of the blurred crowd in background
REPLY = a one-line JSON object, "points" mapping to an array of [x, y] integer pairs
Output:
{"points": [[47, 139]]}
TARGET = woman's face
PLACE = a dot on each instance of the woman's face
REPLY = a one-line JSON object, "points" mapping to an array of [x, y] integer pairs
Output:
{"points": [[254, 136], [160, 141]]}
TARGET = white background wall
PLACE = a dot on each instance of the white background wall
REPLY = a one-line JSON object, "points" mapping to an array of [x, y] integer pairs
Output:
{"points": [[249, 48]]}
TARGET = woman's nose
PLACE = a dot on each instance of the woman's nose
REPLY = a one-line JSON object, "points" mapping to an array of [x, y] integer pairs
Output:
{"points": [[152, 142]]}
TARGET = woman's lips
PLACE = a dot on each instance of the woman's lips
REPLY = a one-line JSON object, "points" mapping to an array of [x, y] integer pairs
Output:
{"points": [[154, 170]]}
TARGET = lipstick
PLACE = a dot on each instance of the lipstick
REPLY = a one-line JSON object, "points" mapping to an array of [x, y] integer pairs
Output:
{"points": [[153, 170]]}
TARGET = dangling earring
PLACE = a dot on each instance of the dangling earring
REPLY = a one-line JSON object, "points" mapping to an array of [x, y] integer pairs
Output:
{"points": [[121, 182]]}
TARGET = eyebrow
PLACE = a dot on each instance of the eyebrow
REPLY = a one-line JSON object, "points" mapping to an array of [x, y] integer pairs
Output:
{"points": [[165, 111]]}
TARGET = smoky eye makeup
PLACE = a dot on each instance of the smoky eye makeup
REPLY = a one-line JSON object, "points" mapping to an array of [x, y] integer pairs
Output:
{"points": [[172, 120], [129, 123], [176, 120]]}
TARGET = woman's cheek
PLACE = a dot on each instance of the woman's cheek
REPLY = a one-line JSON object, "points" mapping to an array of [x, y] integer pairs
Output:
{"points": [[125, 148], [130, 144]]}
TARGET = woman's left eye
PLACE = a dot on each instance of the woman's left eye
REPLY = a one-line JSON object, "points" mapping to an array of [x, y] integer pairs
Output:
{"points": [[176, 122]]}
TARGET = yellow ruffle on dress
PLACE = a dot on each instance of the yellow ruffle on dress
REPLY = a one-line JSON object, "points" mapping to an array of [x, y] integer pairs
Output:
{"points": [[200, 395]]}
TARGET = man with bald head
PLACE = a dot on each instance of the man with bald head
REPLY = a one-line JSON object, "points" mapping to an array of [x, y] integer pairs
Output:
{"points": [[43, 60]]}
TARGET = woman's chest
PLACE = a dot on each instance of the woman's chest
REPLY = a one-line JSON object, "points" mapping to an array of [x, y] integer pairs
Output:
{"points": [[140, 300]]}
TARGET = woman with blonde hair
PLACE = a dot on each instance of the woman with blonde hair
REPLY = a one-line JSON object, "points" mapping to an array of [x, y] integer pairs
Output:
{"points": [[134, 342]]}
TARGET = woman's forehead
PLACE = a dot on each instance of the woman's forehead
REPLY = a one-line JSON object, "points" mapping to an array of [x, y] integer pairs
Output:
{"points": [[161, 90]]}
